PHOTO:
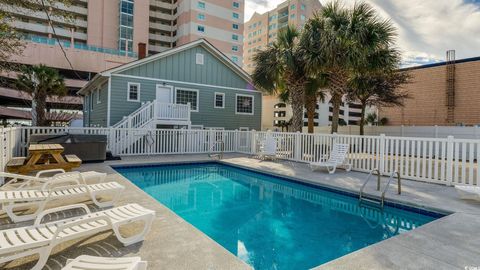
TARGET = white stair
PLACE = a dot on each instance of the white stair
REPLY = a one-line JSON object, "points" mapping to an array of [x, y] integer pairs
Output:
{"points": [[155, 112], [147, 117]]}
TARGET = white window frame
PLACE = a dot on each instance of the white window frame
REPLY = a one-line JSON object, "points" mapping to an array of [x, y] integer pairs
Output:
{"points": [[204, 5], [237, 25], [199, 15], [189, 89], [215, 100], [233, 48], [253, 104], [235, 18], [128, 92], [235, 2], [204, 29], [199, 58], [98, 95]]}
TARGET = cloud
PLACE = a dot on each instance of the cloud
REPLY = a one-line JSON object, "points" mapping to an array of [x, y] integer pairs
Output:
{"points": [[426, 28]]}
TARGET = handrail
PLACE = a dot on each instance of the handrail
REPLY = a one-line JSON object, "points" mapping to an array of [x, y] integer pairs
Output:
{"points": [[368, 179], [222, 143], [399, 185]]}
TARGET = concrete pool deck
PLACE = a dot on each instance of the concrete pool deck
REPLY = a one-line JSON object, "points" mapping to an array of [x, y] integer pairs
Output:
{"points": [[452, 242]]}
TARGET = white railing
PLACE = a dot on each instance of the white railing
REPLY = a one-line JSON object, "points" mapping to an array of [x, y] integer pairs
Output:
{"points": [[439, 160], [170, 111], [155, 110]]}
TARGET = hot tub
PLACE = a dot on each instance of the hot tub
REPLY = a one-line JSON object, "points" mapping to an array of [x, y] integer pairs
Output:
{"points": [[86, 147]]}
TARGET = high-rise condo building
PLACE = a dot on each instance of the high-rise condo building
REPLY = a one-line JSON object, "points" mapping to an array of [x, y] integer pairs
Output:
{"points": [[107, 33], [261, 30]]}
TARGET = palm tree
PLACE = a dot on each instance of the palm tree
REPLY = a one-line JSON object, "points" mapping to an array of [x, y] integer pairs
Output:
{"points": [[381, 89], [313, 93], [280, 69], [339, 42], [40, 82]]}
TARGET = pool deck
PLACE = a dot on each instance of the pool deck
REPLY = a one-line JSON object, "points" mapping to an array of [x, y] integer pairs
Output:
{"points": [[452, 242]]}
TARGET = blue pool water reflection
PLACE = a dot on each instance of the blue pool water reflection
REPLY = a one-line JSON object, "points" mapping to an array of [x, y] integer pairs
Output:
{"points": [[268, 222]]}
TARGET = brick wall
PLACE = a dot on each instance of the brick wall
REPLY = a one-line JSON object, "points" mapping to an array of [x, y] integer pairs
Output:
{"points": [[427, 105]]}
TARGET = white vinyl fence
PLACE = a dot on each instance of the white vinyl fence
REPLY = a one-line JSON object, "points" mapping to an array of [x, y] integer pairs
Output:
{"points": [[439, 160]]}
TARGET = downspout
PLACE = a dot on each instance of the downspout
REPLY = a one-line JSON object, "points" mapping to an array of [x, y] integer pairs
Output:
{"points": [[109, 100]]}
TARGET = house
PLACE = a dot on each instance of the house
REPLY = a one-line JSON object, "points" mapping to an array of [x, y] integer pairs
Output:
{"points": [[191, 86]]}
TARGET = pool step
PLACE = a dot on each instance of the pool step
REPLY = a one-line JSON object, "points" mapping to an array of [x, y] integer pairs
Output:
{"points": [[370, 202]]}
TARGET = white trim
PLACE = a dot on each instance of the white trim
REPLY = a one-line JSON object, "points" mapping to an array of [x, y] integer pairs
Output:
{"points": [[172, 94], [253, 104], [108, 100], [243, 129], [189, 89], [215, 100], [138, 92], [98, 95], [187, 83], [222, 57]]}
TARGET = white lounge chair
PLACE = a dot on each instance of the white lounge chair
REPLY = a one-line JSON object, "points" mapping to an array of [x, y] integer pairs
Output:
{"points": [[269, 149], [86, 262], [40, 238], [338, 158], [19, 181], [468, 192], [13, 200]]}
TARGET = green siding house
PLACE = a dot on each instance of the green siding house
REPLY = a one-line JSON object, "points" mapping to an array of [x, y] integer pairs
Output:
{"points": [[191, 86]]}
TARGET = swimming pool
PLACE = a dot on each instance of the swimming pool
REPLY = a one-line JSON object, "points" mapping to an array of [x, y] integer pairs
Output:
{"points": [[270, 222]]}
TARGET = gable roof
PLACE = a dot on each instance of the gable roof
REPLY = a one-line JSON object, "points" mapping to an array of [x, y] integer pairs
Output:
{"points": [[200, 42]]}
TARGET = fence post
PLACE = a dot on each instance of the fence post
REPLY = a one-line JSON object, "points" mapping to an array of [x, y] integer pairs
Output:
{"points": [[381, 159], [450, 144], [253, 142], [235, 141], [298, 146]]}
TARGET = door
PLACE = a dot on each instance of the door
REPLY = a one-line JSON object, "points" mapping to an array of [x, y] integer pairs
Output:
{"points": [[164, 94]]}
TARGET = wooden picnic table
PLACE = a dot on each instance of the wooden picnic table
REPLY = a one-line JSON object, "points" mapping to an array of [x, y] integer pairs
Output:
{"points": [[43, 157]]}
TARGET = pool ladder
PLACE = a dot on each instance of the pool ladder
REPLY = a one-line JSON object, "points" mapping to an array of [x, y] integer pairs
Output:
{"points": [[381, 203], [217, 156]]}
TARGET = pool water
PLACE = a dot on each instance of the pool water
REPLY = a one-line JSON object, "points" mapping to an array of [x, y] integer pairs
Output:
{"points": [[268, 222]]}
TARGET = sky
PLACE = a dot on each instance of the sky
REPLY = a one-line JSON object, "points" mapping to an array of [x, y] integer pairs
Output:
{"points": [[426, 28]]}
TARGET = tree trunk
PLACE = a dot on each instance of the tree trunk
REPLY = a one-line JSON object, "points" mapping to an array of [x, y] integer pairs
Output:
{"points": [[296, 88], [40, 106], [310, 105], [362, 119], [336, 102], [338, 88]]}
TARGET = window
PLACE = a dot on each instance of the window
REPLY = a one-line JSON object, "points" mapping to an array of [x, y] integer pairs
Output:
{"points": [[235, 37], [201, 28], [244, 104], [235, 15], [236, 4], [185, 96], [219, 100], [133, 92], [199, 59], [235, 59], [201, 5], [292, 16], [98, 96], [293, 7], [235, 48], [235, 26], [302, 17], [302, 7], [201, 16]]}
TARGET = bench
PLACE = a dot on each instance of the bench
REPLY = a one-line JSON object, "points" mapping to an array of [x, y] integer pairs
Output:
{"points": [[16, 162], [73, 159]]}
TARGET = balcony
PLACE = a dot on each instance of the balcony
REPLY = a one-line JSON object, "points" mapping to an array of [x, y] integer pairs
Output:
{"points": [[172, 112]]}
